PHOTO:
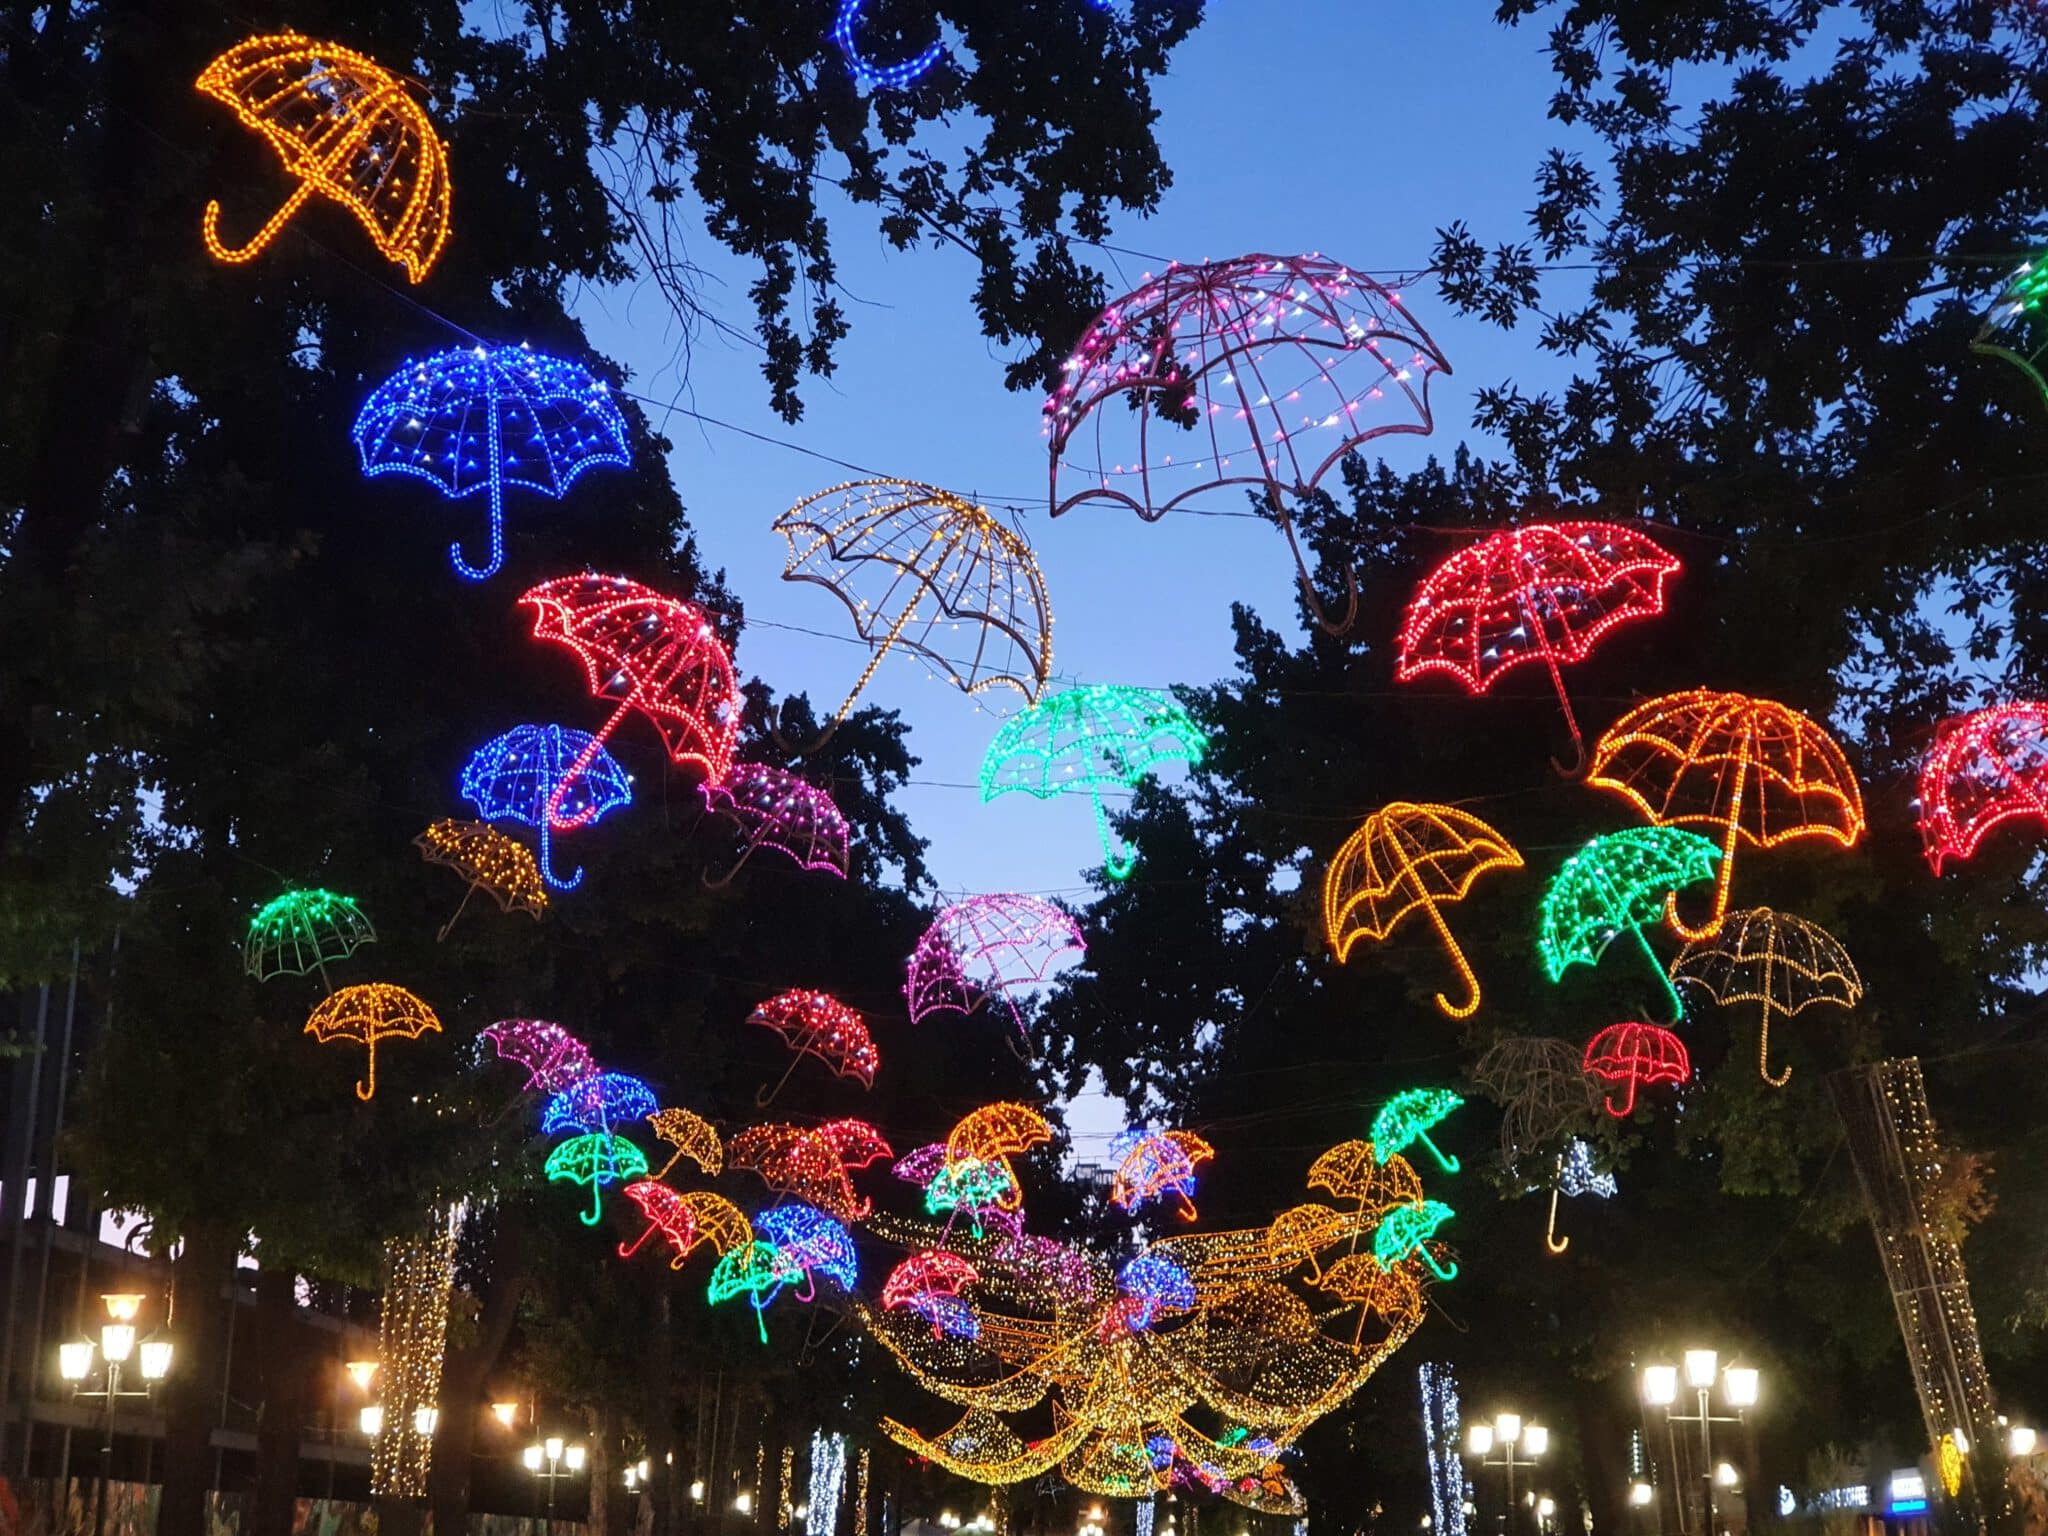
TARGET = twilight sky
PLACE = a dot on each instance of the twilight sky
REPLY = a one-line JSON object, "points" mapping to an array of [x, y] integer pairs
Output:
{"points": [[1354, 131]]}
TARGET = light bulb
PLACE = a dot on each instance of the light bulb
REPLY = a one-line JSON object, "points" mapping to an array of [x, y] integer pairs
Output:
{"points": [[117, 1341], [573, 1458], [1535, 1440], [1700, 1365], [360, 1372], [1640, 1494], [156, 1359], [122, 1306], [505, 1413], [424, 1421], [532, 1457], [74, 1361], [371, 1420], [1740, 1385], [1660, 1385]]}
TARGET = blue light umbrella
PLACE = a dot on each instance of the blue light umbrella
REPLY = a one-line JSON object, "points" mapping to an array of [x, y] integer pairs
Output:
{"points": [[481, 418], [593, 1105], [514, 776]]}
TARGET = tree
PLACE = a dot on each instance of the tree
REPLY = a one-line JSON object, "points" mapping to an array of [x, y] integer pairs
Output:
{"points": [[1795, 220]]}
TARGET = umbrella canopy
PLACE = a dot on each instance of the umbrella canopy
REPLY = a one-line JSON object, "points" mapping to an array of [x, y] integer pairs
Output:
{"points": [[776, 809], [1405, 858], [595, 1159], [1634, 1054], [987, 946], [597, 1103], [301, 931], [756, 1271], [814, 1243], [1090, 739], [553, 1057], [347, 129], [367, 1014], [797, 1161], [1735, 768], [490, 861], [818, 1025], [1985, 769], [1620, 882], [1408, 1117], [1154, 1164], [474, 420], [691, 1135], [1406, 1230]]}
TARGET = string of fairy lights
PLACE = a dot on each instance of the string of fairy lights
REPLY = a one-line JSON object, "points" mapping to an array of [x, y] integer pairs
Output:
{"points": [[1200, 1360]]}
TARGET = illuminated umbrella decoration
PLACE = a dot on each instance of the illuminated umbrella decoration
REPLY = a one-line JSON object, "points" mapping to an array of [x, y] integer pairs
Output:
{"points": [[987, 946], [349, 130], [1153, 1286], [1408, 1117], [813, 1244], [819, 1025], [1545, 593], [1985, 769], [597, 1103], [549, 778], [1304, 1231], [922, 570], [1749, 770], [1390, 1292], [854, 1142], [1154, 1164], [691, 1135], [1620, 882], [490, 861], [878, 76], [975, 1186], [652, 654], [1541, 1085], [367, 1014], [1783, 962], [2013, 328], [1635, 1055], [756, 1271], [474, 420], [1407, 1230], [301, 931], [929, 1283], [1091, 738], [665, 1212], [596, 1159], [919, 1164], [553, 1057], [1404, 858], [793, 1160], [992, 1135], [1260, 371], [1575, 1176], [778, 810]]}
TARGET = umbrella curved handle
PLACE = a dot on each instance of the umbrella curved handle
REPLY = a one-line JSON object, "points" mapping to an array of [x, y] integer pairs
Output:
{"points": [[1763, 1054], [367, 1090], [209, 229], [1551, 1240], [1309, 596]]}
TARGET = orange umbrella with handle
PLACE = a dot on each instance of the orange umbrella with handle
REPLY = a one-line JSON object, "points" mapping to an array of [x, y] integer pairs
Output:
{"points": [[1405, 857], [349, 130], [1724, 764], [369, 1013]]}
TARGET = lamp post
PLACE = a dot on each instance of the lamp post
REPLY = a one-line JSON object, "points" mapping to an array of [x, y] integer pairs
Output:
{"points": [[1739, 1384], [1519, 1446], [117, 1346], [551, 1460]]}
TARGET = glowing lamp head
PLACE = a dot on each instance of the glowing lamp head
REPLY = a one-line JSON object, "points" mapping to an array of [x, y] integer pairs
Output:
{"points": [[553, 1446], [1725, 1474], [572, 1458], [1700, 1366], [371, 1420], [117, 1342], [1535, 1440], [641, 1468], [1740, 1385], [744, 1503], [2019, 1440], [1479, 1440], [424, 1421], [1660, 1385], [122, 1306], [361, 1372], [74, 1361], [697, 1492], [632, 1479], [532, 1457], [505, 1413], [1640, 1494], [156, 1359], [1507, 1427], [1545, 1507]]}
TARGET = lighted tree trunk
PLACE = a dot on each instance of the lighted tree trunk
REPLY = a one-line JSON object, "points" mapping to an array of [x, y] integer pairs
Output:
{"points": [[192, 1391], [464, 1374]]}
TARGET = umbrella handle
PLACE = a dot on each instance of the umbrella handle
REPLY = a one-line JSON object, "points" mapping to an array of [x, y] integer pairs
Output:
{"points": [[1628, 1106], [449, 926], [1434, 1267], [670, 1164], [1118, 859], [1726, 872], [1763, 1053], [1444, 1160], [1578, 767], [590, 1217], [1470, 1005], [209, 229], [368, 1091], [1663, 980], [727, 878], [761, 1103], [496, 557], [553, 815], [1309, 597], [1187, 1206], [547, 855], [1551, 1240], [626, 1252]]}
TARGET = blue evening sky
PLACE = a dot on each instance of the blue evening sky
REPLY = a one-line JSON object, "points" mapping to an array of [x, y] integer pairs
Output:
{"points": [[1351, 130]]}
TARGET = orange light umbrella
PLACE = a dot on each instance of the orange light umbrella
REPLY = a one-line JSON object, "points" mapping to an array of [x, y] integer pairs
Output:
{"points": [[490, 861], [369, 1013], [1407, 856], [1748, 770], [349, 130]]}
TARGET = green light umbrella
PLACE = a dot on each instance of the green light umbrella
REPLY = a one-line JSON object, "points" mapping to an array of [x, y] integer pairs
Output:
{"points": [[1407, 1229], [1408, 1117], [1617, 884], [1091, 738], [756, 1270], [301, 931], [597, 1159]]}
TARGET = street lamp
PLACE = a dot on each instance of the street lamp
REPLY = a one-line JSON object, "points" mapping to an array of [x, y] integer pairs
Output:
{"points": [[551, 1460], [117, 1346], [1519, 1446], [1740, 1387], [2019, 1440]]}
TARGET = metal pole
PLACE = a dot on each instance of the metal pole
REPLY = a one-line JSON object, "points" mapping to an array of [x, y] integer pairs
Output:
{"points": [[1508, 1460], [1707, 1464], [99, 1503]]}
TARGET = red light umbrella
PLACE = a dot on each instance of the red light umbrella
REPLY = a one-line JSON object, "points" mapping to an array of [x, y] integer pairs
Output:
{"points": [[792, 1160], [655, 654], [1636, 1054], [818, 1024], [1544, 593], [1987, 767]]}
